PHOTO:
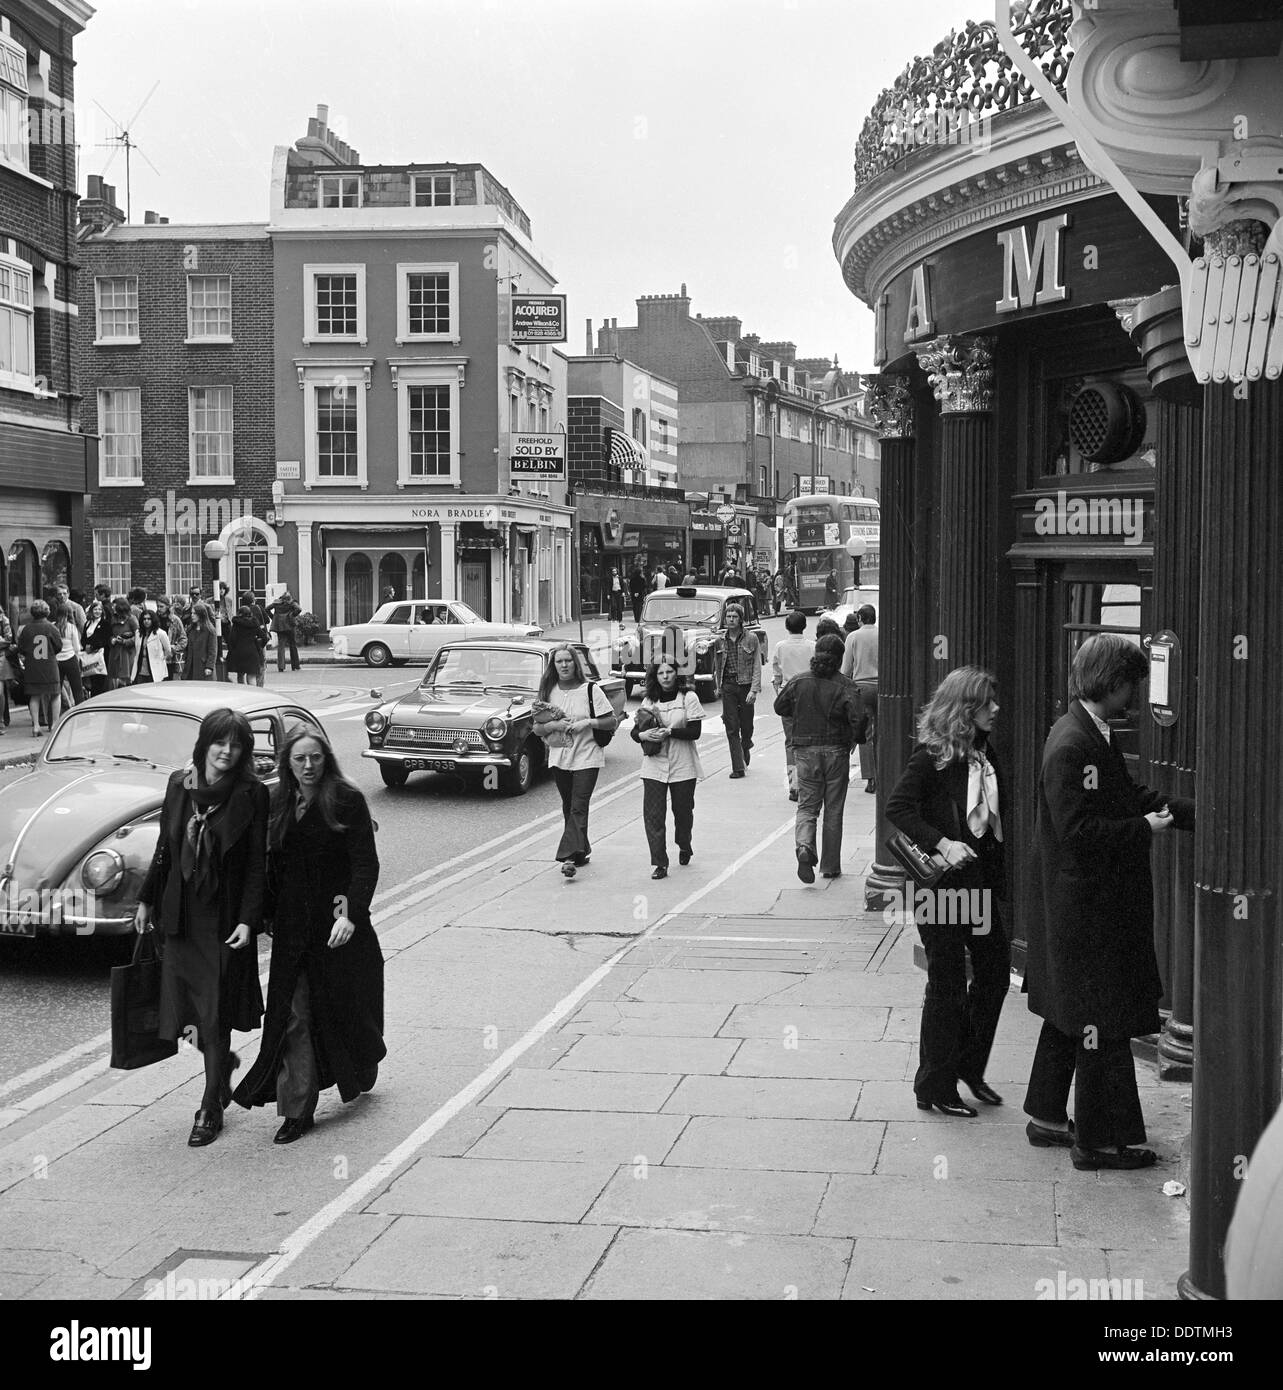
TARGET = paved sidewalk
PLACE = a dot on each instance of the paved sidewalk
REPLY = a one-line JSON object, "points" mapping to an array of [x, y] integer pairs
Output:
{"points": [[726, 1112]]}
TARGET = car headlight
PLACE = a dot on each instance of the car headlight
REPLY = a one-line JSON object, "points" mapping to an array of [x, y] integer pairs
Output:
{"points": [[702, 644], [376, 721], [495, 729], [103, 871]]}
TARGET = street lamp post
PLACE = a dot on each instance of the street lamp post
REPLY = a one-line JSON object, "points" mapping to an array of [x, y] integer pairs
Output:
{"points": [[215, 550], [857, 548]]}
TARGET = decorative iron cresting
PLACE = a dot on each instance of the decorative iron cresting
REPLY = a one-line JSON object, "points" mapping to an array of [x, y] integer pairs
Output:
{"points": [[949, 97]]}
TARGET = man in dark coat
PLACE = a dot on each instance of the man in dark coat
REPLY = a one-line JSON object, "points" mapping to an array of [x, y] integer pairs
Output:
{"points": [[637, 590], [1091, 971]]}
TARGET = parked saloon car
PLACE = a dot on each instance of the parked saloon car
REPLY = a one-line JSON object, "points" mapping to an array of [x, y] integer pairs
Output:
{"points": [[697, 615], [473, 712], [78, 831], [414, 630]]}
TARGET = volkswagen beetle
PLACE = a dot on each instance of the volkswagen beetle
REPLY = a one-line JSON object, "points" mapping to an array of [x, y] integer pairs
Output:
{"points": [[77, 832], [473, 713]]}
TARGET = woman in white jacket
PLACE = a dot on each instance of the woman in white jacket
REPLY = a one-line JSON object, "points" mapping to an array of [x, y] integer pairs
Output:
{"points": [[153, 652]]}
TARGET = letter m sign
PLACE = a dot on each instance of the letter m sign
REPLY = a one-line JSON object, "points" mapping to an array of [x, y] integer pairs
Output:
{"points": [[1032, 277]]}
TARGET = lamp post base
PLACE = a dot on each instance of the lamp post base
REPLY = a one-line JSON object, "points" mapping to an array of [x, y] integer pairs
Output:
{"points": [[1189, 1292], [884, 888]]}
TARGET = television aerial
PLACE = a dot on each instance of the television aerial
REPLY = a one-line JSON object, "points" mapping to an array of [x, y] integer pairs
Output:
{"points": [[122, 140]]}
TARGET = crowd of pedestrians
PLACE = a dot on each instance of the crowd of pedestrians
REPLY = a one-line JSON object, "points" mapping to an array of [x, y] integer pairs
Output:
{"points": [[68, 652]]}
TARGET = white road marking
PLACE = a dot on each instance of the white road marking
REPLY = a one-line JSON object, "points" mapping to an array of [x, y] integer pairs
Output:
{"points": [[249, 1286], [16, 1083], [26, 1108]]}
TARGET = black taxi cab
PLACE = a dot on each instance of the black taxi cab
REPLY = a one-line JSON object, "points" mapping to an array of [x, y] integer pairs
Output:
{"points": [[687, 622]]}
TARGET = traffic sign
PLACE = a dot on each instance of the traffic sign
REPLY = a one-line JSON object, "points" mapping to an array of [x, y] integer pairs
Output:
{"points": [[725, 513], [734, 530]]}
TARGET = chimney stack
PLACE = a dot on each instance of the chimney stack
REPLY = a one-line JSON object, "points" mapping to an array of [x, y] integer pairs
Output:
{"points": [[97, 209], [588, 349]]}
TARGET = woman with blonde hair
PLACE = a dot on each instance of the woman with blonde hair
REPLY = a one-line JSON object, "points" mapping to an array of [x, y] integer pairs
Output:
{"points": [[950, 800], [568, 712]]}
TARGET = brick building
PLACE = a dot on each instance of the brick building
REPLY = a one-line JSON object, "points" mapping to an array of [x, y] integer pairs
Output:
{"points": [[756, 420], [44, 458], [398, 390], [621, 457], [175, 360]]}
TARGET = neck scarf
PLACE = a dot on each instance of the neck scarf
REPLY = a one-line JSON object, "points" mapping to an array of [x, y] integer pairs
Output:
{"points": [[982, 796], [202, 844]]}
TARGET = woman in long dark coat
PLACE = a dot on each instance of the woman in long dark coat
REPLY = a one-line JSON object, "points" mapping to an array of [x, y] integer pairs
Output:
{"points": [[206, 887], [38, 645], [325, 991], [951, 799], [1090, 970]]}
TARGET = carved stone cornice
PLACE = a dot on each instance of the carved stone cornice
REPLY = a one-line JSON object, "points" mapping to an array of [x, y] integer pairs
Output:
{"points": [[960, 370], [890, 404], [1125, 310]]}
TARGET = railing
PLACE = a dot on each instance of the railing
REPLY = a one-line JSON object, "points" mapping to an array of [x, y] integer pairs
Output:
{"points": [[949, 97]]}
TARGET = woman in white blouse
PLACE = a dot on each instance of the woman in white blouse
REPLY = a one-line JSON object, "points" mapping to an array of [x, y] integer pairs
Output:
{"points": [[569, 710], [667, 726], [153, 653]]}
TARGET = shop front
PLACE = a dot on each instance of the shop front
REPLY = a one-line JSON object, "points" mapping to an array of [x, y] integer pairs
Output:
{"points": [[707, 543], [624, 533]]}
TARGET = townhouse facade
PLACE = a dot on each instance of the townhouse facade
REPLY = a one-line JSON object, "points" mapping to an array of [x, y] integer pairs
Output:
{"points": [[175, 358], [759, 425], [621, 450], [45, 459], [398, 390]]}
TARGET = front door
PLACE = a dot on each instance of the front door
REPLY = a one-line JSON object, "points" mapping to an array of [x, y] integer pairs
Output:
{"points": [[475, 582], [251, 570]]}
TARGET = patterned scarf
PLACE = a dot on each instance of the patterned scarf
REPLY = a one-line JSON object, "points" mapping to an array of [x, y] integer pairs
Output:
{"points": [[202, 848]]}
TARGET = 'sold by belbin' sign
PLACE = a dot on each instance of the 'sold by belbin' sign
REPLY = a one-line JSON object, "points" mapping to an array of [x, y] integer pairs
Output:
{"points": [[538, 456], [538, 318]]}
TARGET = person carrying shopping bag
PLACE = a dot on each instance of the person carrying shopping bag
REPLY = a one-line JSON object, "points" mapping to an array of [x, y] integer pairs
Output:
{"points": [[667, 728]]}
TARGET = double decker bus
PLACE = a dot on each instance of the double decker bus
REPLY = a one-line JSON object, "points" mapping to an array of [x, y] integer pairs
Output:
{"points": [[816, 530]]}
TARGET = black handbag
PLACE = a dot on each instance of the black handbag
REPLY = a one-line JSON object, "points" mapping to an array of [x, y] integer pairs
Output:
{"points": [[602, 736], [135, 1009], [924, 868], [646, 719]]}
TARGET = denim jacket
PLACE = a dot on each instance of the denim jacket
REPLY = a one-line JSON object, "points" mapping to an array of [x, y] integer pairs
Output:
{"points": [[748, 669]]}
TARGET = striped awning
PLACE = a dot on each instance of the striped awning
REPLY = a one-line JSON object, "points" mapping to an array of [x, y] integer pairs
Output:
{"points": [[625, 452]]}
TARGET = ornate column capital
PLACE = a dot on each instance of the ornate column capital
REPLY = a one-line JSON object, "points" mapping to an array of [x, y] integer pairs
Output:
{"points": [[960, 370], [890, 403]]}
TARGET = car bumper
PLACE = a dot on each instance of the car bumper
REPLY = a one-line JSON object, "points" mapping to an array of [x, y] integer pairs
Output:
{"points": [[18, 925], [402, 756]]}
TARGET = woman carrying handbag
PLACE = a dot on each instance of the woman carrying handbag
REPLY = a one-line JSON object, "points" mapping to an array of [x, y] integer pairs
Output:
{"points": [[205, 888], [950, 801], [666, 727]]}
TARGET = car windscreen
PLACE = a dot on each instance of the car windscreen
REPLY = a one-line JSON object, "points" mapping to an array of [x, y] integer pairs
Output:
{"points": [[659, 609], [485, 666], [154, 736], [464, 614]]}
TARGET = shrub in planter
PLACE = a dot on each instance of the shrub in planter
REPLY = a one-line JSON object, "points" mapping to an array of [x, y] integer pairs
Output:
{"points": [[307, 626]]}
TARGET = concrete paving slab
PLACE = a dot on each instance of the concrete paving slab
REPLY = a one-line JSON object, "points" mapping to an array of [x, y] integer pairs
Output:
{"points": [[650, 1054], [469, 1258], [1008, 1069], [495, 1189], [580, 1136], [326, 1260], [711, 1199], [15, 1285], [957, 1270], [894, 1100], [764, 1097], [701, 1265], [798, 1146], [1123, 1211], [818, 1057], [36, 1148], [525, 1088], [967, 1209], [707, 986], [81, 1289], [817, 1021], [846, 988], [462, 1132], [1150, 1274], [978, 1148], [649, 1020]]}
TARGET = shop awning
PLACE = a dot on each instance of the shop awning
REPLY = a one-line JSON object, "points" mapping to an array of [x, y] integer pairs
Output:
{"points": [[625, 452]]}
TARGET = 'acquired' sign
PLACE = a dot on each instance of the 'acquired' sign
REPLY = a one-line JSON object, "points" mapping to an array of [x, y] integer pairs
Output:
{"points": [[538, 318]]}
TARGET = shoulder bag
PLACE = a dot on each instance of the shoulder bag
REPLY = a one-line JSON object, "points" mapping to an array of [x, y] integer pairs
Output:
{"points": [[925, 867], [602, 736], [135, 1009]]}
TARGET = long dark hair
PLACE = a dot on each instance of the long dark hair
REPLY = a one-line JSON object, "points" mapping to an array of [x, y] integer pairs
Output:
{"points": [[148, 622], [828, 656], [220, 724], [654, 691], [550, 677], [947, 724], [333, 787]]}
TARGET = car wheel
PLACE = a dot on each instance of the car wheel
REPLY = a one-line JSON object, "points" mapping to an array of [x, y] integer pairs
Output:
{"points": [[393, 775], [520, 777], [711, 690], [376, 654]]}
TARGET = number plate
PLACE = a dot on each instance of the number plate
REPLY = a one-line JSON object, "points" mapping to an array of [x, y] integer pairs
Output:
{"points": [[18, 926]]}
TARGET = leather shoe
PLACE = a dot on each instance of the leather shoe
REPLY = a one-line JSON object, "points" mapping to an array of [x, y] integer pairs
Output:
{"points": [[748, 757], [568, 869], [736, 774], [983, 1092], [1043, 1138], [836, 873], [293, 1129], [1125, 1158], [659, 871], [955, 1105], [792, 796], [209, 1121], [685, 856], [805, 864]]}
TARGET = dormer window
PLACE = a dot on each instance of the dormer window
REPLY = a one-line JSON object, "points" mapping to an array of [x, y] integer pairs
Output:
{"points": [[338, 191], [433, 190]]}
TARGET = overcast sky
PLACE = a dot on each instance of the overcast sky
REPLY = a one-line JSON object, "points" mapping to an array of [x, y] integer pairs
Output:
{"points": [[651, 142]]}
